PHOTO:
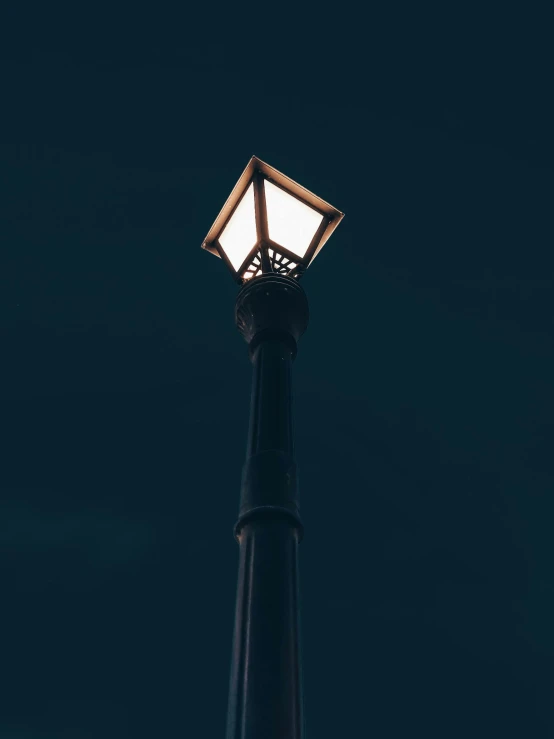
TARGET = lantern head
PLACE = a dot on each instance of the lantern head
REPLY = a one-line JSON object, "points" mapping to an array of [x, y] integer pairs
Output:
{"points": [[270, 224]]}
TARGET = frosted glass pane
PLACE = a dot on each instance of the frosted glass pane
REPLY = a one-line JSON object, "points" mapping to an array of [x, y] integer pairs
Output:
{"points": [[291, 223], [239, 235]]}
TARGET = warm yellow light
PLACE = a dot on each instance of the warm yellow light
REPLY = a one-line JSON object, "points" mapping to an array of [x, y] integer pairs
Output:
{"points": [[239, 235], [291, 223], [267, 210]]}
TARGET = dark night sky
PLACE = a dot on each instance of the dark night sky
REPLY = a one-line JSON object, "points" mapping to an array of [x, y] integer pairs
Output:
{"points": [[423, 387]]}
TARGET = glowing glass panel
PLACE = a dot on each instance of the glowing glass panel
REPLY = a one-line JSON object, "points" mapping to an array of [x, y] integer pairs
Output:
{"points": [[291, 223], [239, 235]]}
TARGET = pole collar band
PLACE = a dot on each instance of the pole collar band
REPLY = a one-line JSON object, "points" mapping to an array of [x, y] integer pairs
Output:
{"points": [[269, 511]]}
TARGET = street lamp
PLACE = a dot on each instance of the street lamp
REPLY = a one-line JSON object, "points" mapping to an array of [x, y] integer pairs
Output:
{"points": [[268, 232]]}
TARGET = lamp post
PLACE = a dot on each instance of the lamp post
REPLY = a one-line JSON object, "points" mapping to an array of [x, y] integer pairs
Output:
{"points": [[268, 232]]}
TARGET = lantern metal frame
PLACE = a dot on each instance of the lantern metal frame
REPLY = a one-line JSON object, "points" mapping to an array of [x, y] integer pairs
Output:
{"points": [[266, 256]]}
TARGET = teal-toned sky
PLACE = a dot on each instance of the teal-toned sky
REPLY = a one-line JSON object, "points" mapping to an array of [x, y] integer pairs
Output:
{"points": [[423, 386]]}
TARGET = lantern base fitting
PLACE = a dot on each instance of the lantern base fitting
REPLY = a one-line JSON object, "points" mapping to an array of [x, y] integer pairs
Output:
{"points": [[272, 306]]}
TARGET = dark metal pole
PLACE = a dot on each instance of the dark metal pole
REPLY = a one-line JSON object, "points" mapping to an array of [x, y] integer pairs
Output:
{"points": [[265, 695]]}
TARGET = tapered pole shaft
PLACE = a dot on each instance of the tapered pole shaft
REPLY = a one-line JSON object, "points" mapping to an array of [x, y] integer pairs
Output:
{"points": [[265, 696]]}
